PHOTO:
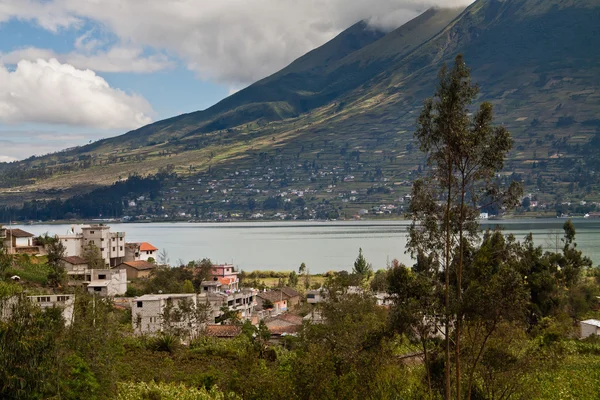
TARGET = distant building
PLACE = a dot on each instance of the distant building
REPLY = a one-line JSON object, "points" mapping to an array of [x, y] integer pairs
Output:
{"points": [[589, 327], [137, 269]]}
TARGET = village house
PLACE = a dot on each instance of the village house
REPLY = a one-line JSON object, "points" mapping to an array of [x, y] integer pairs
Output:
{"points": [[137, 269], [273, 301], [65, 302], [76, 268], [143, 251], [107, 282], [148, 312], [222, 289], [315, 296], [292, 296], [18, 241]]}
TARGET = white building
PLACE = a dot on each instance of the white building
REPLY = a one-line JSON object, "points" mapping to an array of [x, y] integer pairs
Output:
{"points": [[140, 252], [110, 244], [315, 296], [65, 302], [148, 312], [589, 327], [107, 282], [17, 241]]}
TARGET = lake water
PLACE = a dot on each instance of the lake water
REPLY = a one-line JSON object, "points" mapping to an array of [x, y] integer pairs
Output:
{"points": [[323, 246]]}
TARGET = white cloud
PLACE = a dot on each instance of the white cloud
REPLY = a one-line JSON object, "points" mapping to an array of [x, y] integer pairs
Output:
{"points": [[7, 158], [234, 42], [116, 59], [49, 92]]}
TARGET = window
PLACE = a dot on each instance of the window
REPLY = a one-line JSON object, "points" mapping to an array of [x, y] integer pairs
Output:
{"points": [[62, 298], [91, 232], [140, 304], [121, 239], [102, 276], [97, 289], [102, 240], [114, 249], [121, 248], [113, 239], [206, 288], [310, 296], [43, 299], [101, 248]]}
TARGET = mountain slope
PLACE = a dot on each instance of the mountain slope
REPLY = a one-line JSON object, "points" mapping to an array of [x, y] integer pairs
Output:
{"points": [[312, 81], [350, 107]]}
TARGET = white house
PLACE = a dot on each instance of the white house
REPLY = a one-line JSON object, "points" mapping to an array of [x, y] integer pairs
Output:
{"points": [[148, 311], [107, 282], [315, 296], [17, 241], [65, 302], [589, 327], [140, 251], [110, 244]]}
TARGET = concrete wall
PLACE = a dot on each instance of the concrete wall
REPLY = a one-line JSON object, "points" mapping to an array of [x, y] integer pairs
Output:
{"points": [[588, 330]]}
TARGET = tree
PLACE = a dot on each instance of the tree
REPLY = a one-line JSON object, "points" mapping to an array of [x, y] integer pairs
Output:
{"points": [[361, 268], [93, 257], [57, 274], [163, 258], [293, 279], [379, 282], [463, 155], [188, 286]]}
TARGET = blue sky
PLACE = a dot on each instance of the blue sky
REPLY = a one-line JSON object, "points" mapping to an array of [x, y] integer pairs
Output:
{"points": [[74, 71]]}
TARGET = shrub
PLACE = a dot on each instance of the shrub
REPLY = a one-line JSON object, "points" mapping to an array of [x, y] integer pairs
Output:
{"points": [[168, 391]]}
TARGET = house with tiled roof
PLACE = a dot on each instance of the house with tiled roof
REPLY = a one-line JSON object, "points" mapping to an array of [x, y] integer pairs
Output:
{"points": [[292, 296], [76, 268], [18, 241], [137, 269], [273, 301], [141, 251]]}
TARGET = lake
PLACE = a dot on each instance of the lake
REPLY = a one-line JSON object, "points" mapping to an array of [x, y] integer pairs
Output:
{"points": [[323, 246]]}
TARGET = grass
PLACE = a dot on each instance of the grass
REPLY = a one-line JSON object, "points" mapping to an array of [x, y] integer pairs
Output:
{"points": [[30, 269], [314, 280]]}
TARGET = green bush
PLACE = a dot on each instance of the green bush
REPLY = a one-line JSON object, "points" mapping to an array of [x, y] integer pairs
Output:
{"points": [[167, 391]]}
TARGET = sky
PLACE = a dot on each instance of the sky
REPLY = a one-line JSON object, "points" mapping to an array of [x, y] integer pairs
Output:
{"points": [[75, 71]]}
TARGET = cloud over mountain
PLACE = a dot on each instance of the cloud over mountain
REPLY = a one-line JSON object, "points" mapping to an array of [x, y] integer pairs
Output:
{"points": [[234, 42], [49, 92]]}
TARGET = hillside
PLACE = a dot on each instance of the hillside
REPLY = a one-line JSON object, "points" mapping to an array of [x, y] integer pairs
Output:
{"points": [[339, 120]]}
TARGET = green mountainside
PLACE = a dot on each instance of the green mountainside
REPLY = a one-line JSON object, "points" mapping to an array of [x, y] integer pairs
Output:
{"points": [[337, 123]]}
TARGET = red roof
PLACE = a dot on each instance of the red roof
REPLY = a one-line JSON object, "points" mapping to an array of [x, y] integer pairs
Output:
{"points": [[145, 246], [226, 281], [139, 265], [74, 260], [223, 330]]}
